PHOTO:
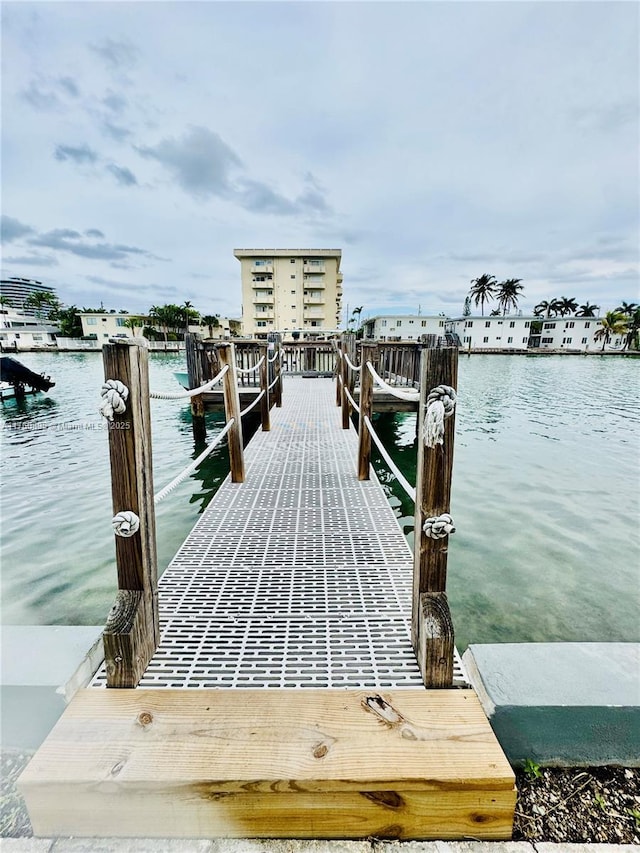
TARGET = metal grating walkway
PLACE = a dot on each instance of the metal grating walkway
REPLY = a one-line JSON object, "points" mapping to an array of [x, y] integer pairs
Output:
{"points": [[298, 577]]}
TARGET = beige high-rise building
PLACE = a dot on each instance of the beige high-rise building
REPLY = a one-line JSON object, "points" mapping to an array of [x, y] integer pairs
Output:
{"points": [[290, 290]]}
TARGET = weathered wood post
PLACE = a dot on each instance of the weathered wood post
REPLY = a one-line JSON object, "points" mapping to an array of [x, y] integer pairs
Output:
{"points": [[345, 372], [368, 352], [132, 632], [431, 625], [277, 364], [196, 379], [265, 416], [227, 356], [337, 370]]}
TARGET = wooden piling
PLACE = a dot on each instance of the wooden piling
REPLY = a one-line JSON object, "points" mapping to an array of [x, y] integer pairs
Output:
{"points": [[132, 632], [346, 377], [226, 354], [431, 628], [265, 416], [368, 352], [277, 364], [196, 379]]}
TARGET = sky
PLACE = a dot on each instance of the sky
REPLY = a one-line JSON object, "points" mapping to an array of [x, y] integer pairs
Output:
{"points": [[431, 142]]}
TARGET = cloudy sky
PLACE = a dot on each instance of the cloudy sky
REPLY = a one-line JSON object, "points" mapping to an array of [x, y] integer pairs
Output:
{"points": [[430, 141]]}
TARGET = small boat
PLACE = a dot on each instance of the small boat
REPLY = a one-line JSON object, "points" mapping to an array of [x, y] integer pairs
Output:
{"points": [[16, 380]]}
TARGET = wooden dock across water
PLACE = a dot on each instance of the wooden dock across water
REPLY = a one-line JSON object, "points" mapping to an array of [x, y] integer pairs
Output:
{"points": [[296, 586]]}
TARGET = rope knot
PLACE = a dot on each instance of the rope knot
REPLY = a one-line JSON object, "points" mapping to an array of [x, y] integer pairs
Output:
{"points": [[441, 404], [438, 526], [125, 524], [114, 398]]}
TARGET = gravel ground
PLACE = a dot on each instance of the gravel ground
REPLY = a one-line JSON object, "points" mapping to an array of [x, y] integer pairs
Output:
{"points": [[600, 804]]}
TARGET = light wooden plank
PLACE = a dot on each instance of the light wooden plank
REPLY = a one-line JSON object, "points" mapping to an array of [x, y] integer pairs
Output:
{"points": [[326, 763]]}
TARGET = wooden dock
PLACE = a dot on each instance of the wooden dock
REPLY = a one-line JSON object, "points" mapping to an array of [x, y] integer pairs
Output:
{"points": [[284, 698]]}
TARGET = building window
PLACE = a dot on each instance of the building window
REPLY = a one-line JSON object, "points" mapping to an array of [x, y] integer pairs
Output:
{"points": [[468, 324], [104, 319], [411, 324], [121, 321], [526, 325], [586, 325], [294, 292], [525, 340], [487, 323], [384, 322], [441, 323], [293, 276], [569, 340], [485, 340], [498, 338], [293, 260], [512, 324], [569, 325], [509, 340], [261, 263], [584, 340], [261, 323], [92, 321], [399, 323], [294, 307], [546, 341], [424, 323], [549, 326]]}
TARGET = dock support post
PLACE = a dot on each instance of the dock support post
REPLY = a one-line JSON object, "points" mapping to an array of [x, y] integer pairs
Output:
{"points": [[194, 368], [346, 376], [278, 371], [132, 632], [227, 356], [368, 352], [265, 416], [431, 626]]}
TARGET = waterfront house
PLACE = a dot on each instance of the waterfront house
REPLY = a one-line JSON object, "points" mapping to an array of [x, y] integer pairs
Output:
{"points": [[403, 327], [524, 332], [23, 331]]}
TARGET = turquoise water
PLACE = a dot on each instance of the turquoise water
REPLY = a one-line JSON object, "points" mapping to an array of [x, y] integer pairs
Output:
{"points": [[546, 495]]}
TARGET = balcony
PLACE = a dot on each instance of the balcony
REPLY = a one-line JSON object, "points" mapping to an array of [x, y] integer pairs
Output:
{"points": [[260, 269], [263, 300], [263, 315], [314, 268], [314, 300], [313, 314]]}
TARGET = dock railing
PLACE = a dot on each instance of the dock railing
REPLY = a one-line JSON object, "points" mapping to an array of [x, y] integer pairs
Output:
{"points": [[131, 634], [431, 624]]}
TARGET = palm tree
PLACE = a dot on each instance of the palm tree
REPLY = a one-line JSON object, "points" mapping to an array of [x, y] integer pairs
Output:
{"points": [[133, 323], [189, 313], [483, 289], [566, 306], [633, 327], [555, 307], [159, 317], [212, 321], [507, 294], [43, 304], [543, 307], [5, 302], [626, 308], [587, 310], [355, 311], [611, 324]]}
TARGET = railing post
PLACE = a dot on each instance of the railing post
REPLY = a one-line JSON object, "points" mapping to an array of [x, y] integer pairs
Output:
{"points": [[368, 352], [338, 372], [345, 371], [194, 367], [431, 625], [265, 416], [132, 633], [226, 354], [278, 372]]}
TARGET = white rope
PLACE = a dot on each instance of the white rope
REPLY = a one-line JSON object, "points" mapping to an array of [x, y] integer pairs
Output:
{"points": [[250, 369], [114, 398], [406, 485], [272, 359], [251, 405], [441, 403], [273, 383], [438, 526], [192, 467], [350, 363], [125, 523], [412, 396], [352, 401], [181, 395]]}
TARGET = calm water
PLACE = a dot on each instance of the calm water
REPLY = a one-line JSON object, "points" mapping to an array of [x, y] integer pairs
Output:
{"points": [[546, 495]]}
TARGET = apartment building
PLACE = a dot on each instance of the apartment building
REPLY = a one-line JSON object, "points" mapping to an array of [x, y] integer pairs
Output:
{"points": [[16, 290], [405, 327], [290, 290], [571, 334]]}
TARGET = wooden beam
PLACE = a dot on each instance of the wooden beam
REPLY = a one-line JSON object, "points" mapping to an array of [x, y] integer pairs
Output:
{"points": [[227, 356], [271, 763], [368, 352], [265, 416], [132, 632]]}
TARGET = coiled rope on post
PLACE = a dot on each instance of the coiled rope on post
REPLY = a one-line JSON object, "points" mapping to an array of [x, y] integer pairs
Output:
{"points": [[114, 398], [125, 523], [441, 403], [193, 465], [411, 396], [438, 526], [252, 404], [182, 395], [250, 369], [406, 485]]}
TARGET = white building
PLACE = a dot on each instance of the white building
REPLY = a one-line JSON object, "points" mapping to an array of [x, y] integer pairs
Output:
{"points": [[20, 330], [402, 327], [529, 332]]}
